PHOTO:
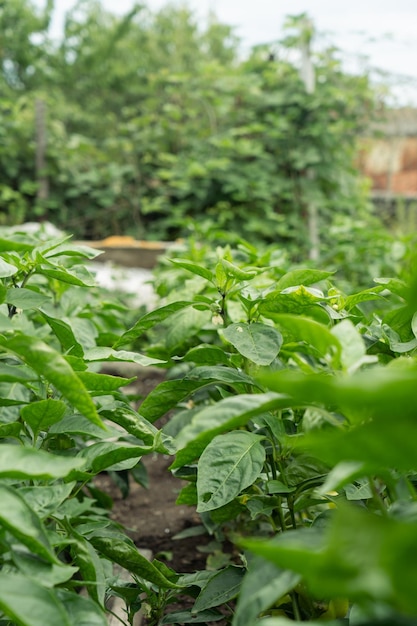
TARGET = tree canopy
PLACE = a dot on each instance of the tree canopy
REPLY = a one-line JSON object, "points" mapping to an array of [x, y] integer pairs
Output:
{"points": [[158, 125]]}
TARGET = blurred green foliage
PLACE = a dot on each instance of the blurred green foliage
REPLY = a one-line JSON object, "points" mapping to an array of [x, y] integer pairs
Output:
{"points": [[156, 125]]}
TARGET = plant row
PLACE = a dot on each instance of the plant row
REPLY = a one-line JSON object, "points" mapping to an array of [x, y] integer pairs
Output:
{"points": [[293, 426]]}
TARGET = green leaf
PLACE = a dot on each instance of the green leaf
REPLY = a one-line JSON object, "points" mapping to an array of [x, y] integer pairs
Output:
{"points": [[125, 553], [200, 270], [133, 423], [23, 523], [230, 463], [103, 383], [149, 320], [169, 393], [360, 556], [352, 344], [301, 277], [65, 335], [52, 366], [221, 375], [16, 373], [184, 325], [10, 430], [42, 414], [6, 269], [343, 474], [225, 415], [29, 463], [299, 329], [64, 275], [257, 342], [28, 603], [263, 585], [50, 574], [90, 567], [46, 499], [103, 354], [373, 400], [207, 355], [221, 588], [25, 298], [82, 611], [296, 301], [234, 271], [102, 455], [166, 396], [14, 243]]}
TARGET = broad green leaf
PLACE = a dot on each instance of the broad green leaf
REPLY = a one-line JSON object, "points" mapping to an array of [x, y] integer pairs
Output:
{"points": [[263, 585], [23, 523], [350, 302], [381, 404], [169, 393], [76, 424], [27, 603], [52, 366], [236, 272], [45, 499], [296, 301], [184, 325], [200, 270], [149, 320], [90, 567], [50, 246], [103, 383], [64, 275], [50, 574], [343, 474], [16, 373], [257, 342], [83, 252], [103, 354], [166, 396], [16, 242], [225, 415], [42, 414], [26, 298], [5, 323], [352, 344], [125, 553], [221, 588], [82, 611], [11, 430], [29, 463], [221, 375], [65, 335], [133, 423], [299, 329], [229, 464], [6, 269], [361, 556], [207, 355], [102, 455], [301, 277]]}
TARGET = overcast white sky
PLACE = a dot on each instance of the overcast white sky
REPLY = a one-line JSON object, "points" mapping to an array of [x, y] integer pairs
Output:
{"points": [[383, 30]]}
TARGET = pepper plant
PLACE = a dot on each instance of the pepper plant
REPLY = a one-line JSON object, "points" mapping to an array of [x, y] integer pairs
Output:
{"points": [[294, 412], [62, 422]]}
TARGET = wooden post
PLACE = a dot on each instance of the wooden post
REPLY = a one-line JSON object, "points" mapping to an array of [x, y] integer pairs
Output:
{"points": [[308, 77], [41, 143]]}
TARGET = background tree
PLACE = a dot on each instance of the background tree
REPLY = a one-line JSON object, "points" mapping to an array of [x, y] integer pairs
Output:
{"points": [[157, 124]]}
